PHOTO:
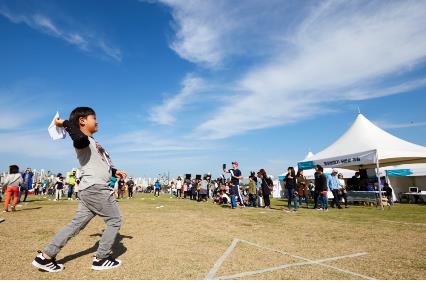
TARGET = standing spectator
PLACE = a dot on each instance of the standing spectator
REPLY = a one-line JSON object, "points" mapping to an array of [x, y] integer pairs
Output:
{"points": [[321, 187], [59, 186], [389, 194], [130, 185], [12, 183], [71, 183], [343, 189], [45, 187], [76, 187], [190, 188], [302, 188], [179, 187], [252, 191], [173, 188], [185, 189], [290, 185], [36, 189], [266, 186], [212, 188], [236, 176], [197, 186], [317, 186], [120, 187], [203, 190], [157, 188], [27, 185], [355, 181], [260, 202], [334, 185]]}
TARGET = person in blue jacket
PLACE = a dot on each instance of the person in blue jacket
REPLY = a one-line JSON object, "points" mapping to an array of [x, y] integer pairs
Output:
{"points": [[157, 187], [27, 176]]}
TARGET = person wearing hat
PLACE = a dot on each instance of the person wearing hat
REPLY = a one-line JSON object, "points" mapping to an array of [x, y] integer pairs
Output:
{"points": [[236, 176], [334, 185]]}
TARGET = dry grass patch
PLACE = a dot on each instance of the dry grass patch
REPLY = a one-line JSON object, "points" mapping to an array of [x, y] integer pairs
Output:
{"points": [[183, 239]]}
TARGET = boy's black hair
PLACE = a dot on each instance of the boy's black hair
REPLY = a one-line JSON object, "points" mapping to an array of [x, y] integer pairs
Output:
{"points": [[13, 169], [79, 112]]}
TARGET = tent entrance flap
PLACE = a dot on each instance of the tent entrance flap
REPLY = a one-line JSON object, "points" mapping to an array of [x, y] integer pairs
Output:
{"points": [[360, 158]]}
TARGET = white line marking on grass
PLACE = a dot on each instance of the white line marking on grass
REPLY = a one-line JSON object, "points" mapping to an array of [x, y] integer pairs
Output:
{"points": [[219, 262], [243, 274], [405, 223], [306, 261], [309, 260]]}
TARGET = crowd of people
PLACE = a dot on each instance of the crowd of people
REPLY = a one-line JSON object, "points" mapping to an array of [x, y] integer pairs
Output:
{"points": [[298, 189], [17, 185], [225, 190], [222, 191]]}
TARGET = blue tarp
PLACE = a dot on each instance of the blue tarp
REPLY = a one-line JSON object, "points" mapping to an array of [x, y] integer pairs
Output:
{"points": [[399, 173], [306, 165]]}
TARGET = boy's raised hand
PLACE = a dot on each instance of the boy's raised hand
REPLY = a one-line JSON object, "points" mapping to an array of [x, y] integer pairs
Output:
{"points": [[59, 122]]}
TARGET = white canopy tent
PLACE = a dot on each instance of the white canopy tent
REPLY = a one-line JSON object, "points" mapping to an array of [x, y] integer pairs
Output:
{"points": [[364, 145]]}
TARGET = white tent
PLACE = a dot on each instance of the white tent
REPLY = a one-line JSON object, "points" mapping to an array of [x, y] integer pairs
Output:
{"points": [[364, 145]]}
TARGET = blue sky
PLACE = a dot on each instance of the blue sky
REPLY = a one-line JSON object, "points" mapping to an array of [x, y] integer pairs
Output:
{"points": [[184, 86]]}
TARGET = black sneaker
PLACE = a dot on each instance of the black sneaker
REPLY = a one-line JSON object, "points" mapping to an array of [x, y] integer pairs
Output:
{"points": [[105, 263], [45, 264]]}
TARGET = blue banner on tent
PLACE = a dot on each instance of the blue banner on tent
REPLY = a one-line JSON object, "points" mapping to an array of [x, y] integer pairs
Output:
{"points": [[399, 172], [306, 165], [281, 178]]}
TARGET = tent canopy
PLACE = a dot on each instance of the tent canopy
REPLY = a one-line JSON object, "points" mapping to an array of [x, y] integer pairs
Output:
{"points": [[362, 145]]}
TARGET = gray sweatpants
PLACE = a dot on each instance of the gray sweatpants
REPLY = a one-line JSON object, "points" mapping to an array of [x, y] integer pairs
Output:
{"points": [[95, 200]]}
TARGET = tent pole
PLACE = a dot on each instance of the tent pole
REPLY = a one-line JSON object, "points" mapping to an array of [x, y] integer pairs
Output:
{"points": [[378, 178]]}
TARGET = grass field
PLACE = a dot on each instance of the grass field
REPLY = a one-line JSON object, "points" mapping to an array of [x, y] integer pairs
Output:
{"points": [[184, 239]]}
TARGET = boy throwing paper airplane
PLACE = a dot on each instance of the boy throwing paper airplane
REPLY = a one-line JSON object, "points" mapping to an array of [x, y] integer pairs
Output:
{"points": [[95, 196]]}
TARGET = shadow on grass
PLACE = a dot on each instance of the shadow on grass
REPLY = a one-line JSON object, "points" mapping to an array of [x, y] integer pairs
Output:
{"points": [[117, 248], [31, 200], [32, 208]]}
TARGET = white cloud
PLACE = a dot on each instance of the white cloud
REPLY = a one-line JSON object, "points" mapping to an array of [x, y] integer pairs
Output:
{"points": [[154, 141], [209, 32], [197, 38], [87, 42], [341, 51], [165, 113], [14, 119], [34, 144]]}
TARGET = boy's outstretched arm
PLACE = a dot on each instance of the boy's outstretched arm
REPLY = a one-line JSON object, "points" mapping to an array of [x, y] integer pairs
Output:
{"points": [[79, 139]]}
